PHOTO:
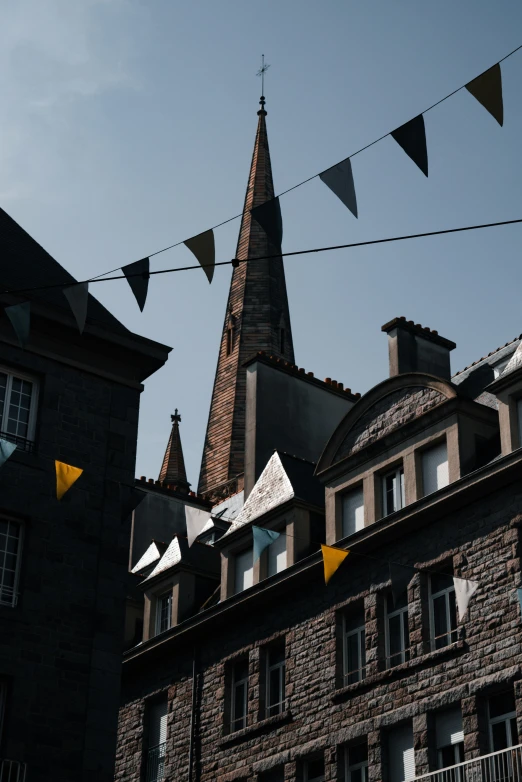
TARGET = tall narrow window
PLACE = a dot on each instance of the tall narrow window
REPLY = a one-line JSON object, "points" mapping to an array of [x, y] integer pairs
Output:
{"points": [[157, 730], [397, 631], [276, 554], [356, 763], [244, 570], [435, 474], [354, 649], [443, 611], [393, 491], [502, 721], [18, 396], [163, 612], [353, 511], [401, 754], [313, 770], [450, 738], [10, 546], [275, 679], [230, 341], [239, 693]]}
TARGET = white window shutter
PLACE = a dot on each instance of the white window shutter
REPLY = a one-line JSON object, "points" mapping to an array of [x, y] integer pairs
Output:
{"points": [[401, 754], [158, 723], [448, 727], [277, 555], [244, 572], [435, 473], [353, 512]]}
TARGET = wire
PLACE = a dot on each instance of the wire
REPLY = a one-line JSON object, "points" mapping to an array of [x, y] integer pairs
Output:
{"points": [[236, 261]]}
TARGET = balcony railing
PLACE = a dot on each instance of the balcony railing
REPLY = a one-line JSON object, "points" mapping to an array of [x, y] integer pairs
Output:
{"points": [[155, 763], [502, 766], [12, 771]]}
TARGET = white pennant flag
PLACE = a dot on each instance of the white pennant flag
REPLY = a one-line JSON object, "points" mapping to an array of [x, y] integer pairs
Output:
{"points": [[196, 520], [464, 591]]}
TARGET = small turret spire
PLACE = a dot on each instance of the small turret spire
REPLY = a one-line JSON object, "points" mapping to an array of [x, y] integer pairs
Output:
{"points": [[173, 467]]}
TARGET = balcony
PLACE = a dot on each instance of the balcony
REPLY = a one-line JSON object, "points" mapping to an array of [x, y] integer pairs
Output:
{"points": [[12, 771], [155, 764], [502, 766]]}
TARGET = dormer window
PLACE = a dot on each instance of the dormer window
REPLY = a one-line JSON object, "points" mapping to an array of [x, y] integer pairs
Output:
{"points": [[244, 571], [393, 498], [435, 473], [276, 554], [163, 612], [353, 511]]}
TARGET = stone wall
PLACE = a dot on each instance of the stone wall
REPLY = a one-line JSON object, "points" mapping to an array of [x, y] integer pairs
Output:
{"points": [[481, 542]]}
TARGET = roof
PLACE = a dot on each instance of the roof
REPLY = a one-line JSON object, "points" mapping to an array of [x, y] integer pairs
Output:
{"points": [[171, 557], [173, 468], [515, 362], [199, 557], [228, 509], [472, 380], [152, 554]]}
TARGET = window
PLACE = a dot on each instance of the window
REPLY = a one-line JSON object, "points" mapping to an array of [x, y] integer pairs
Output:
{"points": [[393, 491], [397, 632], [401, 754], [353, 511], [275, 680], [450, 737], [277, 555], [230, 341], [157, 725], [354, 649], [18, 396], [443, 612], [435, 473], [313, 770], [244, 570], [239, 693], [502, 721], [274, 775], [163, 612], [519, 414], [356, 763], [10, 547]]}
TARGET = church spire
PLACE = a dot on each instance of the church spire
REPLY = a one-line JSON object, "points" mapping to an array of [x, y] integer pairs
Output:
{"points": [[257, 318], [173, 467]]}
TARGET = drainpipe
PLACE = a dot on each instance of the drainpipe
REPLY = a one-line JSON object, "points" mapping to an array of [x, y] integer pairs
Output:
{"points": [[192, 720]]}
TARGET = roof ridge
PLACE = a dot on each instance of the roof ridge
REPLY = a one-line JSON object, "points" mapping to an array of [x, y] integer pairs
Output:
{"points": [[492, 353]]}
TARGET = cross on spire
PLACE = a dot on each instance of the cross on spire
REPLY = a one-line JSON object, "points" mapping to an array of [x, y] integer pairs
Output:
{"points": [[176, 418], [261, 72]]}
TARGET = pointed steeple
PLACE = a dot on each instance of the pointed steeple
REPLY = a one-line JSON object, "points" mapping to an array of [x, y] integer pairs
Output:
{"points": [[257, 318], [173, 467]]}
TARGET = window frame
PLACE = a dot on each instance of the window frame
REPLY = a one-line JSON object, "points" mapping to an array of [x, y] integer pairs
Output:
{"points": [[306, 762], [234, 684], [19, 440], [439, 443], [457, 747], [21, 530], [359, 631], [399, 496], [157, 623], [269, 550], [401, 612], [451, 632], [161, 747], [358, 488], [235, 557], [505, 718], [272, 709], [349, 767]]}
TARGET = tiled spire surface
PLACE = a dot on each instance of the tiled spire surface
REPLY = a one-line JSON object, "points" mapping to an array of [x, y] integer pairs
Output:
{"points": [[173, 467], [256, 318]]}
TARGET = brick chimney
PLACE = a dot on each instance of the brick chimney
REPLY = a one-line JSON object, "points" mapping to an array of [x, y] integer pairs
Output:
{"points": [[413, 348]]}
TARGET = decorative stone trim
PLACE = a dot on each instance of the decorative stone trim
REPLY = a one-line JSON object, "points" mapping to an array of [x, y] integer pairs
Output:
{"points": [[262, 726]]}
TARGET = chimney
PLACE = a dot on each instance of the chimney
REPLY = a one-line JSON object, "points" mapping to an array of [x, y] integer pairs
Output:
{"points": [[413, 348]]}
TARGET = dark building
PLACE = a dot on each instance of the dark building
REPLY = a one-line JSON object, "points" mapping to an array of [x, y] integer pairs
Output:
{"points": [[63, 565], [255, 669]]}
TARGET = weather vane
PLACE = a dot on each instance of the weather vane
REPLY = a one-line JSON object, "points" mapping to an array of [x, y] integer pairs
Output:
{"points": [[261, 72]]}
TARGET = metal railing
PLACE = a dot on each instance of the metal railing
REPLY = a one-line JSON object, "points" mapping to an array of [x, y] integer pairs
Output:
{"points": [[12, 771], [502, 766], [155, 763]]}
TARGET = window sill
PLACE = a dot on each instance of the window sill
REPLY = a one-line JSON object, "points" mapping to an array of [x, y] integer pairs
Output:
{"points": [[262, 726], [432, 658]]}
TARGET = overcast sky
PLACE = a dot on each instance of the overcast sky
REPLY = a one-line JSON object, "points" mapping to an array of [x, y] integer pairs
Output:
{"points": [[128, 125]]}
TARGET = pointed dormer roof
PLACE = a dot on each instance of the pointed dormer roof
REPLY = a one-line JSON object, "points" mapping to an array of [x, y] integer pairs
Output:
{"points": [[257, 318], [173, 467]]}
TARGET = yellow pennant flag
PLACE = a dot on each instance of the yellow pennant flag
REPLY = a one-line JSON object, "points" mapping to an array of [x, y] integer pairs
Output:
{"points": [[333, 558], [66, 475]]}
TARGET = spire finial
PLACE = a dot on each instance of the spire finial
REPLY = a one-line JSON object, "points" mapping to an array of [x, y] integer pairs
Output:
{"points": [[176, 418], [261, 72]]}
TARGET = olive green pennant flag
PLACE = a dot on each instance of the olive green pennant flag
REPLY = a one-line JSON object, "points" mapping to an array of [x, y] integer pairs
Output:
{"points": [[204, 249], [20, 317], [138, 275], [487, 89], [339, 179], [412, 138]]}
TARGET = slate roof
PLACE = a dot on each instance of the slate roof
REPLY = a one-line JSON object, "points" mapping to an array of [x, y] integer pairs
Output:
{"points": [[228, 509], [198, 556], [152, 554], [171, 557], [472, 380], [515, 361]]}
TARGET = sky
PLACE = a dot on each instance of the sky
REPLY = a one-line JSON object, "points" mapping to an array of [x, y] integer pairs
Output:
{"points": [[128, 125]]}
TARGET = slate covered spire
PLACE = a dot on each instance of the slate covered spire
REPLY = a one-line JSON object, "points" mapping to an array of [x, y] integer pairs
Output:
{"points": [[256, 318], [173, 467]]}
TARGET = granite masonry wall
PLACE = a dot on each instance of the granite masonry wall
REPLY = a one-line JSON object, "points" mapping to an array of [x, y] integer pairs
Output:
{"points": [[481, 542]]}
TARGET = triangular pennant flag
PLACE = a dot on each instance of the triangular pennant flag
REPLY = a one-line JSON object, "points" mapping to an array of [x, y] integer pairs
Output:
{"points": [[519, 595], [196, 520], [339, 179], [6, 449], [464, 591], [262, 539], [130, 500], [487, 89], [20, 317], [66, 475], [412, 138], [204, 249], [78, 298], [400, 578], [268, 215], [137, 275], [332, 560]]}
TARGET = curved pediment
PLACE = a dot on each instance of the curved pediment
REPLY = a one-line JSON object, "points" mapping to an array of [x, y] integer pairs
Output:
{"points": [[386, 408]]}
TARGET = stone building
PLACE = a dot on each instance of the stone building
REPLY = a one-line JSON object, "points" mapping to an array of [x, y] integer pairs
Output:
{"points": [[63, 565], [255, 669]]}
